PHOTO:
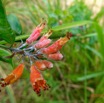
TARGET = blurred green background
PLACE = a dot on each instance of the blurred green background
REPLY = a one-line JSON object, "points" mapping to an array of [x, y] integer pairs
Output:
{"points": [[79, 77]]}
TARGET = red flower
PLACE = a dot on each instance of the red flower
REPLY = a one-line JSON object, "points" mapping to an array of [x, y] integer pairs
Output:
{"points": [[35, 34], [43, 41], [37, 80], [56, 46], [13, 77], [42, 44], [36, 52]]}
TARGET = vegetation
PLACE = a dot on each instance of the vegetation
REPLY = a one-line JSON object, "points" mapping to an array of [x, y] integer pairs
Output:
{"points": [[78, 78]]}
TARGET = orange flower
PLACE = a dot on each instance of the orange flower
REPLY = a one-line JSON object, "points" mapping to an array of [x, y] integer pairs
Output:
{"points": [[13, 77], [37, 80]]}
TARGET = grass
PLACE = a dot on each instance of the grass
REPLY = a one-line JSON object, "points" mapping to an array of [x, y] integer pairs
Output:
{"points": [[80, 73]]}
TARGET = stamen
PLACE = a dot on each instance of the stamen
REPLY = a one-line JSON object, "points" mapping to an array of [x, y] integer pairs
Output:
{"points": [[1, 79], [69, 35], [48, 34]]}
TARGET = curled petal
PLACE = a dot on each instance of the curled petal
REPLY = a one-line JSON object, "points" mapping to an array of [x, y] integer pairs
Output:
{"points": [[13, 77], [56, 46], [37, 80], [55, 56], [35, 34]]}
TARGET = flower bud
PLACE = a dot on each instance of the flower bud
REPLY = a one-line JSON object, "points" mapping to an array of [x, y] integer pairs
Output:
{"points": [[43, 64], [48, 64], [43, 41], [40, 65], [42, 44], [55, 56], [35, 34]]}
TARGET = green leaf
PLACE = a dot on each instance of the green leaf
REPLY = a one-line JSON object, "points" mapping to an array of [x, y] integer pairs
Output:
{"points": [[100, 36], [3, 54], [6, 32], [14, 23], [89, 76], [93, 50], [70, 25], [80, 78]]}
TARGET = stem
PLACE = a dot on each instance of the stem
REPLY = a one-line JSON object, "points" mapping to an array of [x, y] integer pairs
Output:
{"points": [[22, 46], [85, 86], [5, 47]]}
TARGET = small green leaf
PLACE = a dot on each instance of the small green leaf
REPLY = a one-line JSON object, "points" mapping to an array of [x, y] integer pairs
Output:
{"points": [[6, 32], [3, 54], [14, 23]]}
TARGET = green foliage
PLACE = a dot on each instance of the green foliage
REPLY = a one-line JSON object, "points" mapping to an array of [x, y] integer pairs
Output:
{"points": [[14, 23], [80, 73], [3, 56], [6, 32], [79, 11]]}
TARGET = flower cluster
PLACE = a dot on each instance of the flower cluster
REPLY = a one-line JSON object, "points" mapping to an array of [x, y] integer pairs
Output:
{"points": [[39, 52]]}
